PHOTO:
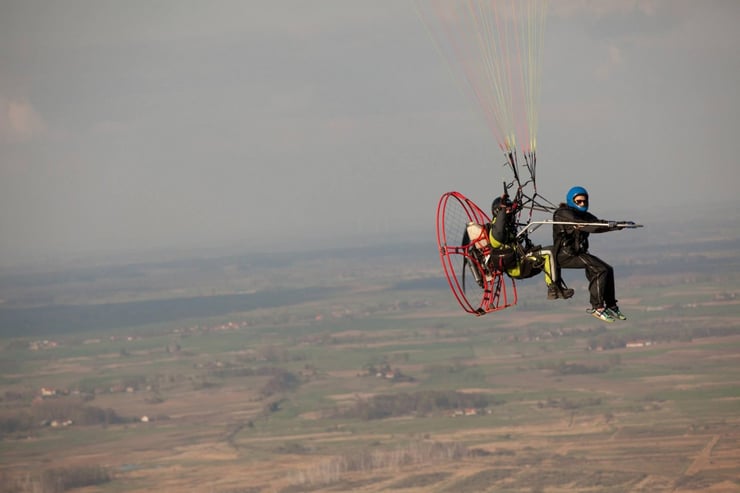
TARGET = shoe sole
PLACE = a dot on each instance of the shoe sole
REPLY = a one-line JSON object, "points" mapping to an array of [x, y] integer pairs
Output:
{"points": [[603, 319]]}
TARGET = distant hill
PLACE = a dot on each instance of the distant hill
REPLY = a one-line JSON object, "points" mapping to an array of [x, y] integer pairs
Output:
{"points": [[55, 319]]}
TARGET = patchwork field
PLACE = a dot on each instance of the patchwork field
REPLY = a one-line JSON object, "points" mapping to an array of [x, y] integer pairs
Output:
{"points": [[381, 384]]}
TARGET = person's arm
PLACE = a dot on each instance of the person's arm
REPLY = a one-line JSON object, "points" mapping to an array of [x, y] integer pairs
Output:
{"points": [[607, 225], [586, 219]]}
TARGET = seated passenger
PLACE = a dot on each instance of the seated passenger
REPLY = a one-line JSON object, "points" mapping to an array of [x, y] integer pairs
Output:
{"points": [[510, 256]]}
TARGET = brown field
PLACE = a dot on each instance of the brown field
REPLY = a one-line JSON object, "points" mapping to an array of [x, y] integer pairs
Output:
{"points": [[268, 407], [648, 445]]}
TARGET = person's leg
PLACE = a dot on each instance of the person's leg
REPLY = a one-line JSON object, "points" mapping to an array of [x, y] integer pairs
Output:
{"points": [[596, 273], [610, 297], [542, 260], [555, 288], [609, 292]]}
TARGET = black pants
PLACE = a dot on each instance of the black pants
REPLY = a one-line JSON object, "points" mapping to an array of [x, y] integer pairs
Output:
{"points": [[600, 277]]}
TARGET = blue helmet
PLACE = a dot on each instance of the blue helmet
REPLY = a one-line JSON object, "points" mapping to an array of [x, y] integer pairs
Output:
{"points": [[573, 193]]}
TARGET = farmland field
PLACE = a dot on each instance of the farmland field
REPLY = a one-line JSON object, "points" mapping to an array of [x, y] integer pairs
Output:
{"points": [[357, 372]]}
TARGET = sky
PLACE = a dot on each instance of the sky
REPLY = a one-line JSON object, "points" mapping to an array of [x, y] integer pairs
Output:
{"points": [[179, 124]]}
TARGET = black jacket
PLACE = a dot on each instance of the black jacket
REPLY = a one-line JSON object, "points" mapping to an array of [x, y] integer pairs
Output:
{"points": [[503, 230], [570, 239]]}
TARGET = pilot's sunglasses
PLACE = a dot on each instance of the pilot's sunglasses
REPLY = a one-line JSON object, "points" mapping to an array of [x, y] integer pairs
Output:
{"points": [[581, 201]]}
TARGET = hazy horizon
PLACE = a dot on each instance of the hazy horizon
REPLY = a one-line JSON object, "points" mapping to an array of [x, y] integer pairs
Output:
{"points": [[663, 225]]}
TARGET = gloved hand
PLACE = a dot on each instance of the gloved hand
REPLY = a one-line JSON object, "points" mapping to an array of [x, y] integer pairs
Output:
{"points": [[612, 224]]}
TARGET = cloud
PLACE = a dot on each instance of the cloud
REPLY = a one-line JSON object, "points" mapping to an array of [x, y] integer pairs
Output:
{"points": [[19, 121]]}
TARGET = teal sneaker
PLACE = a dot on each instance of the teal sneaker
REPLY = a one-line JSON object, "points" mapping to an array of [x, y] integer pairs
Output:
{"points": [[615, 313], [602, 314]]}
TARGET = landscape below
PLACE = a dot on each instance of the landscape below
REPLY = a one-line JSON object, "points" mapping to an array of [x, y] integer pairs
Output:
{"points": [[354, 370]]}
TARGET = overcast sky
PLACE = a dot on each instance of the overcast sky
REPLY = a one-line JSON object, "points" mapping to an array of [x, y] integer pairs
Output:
{"points": [[130, 125]]}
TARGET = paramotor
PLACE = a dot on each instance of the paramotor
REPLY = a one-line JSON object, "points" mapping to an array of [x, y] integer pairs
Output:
{"points": [[495, 48], [477, 282]]}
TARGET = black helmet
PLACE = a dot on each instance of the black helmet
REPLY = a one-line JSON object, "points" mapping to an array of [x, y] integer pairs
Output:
{"points": [[497, 203]]}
